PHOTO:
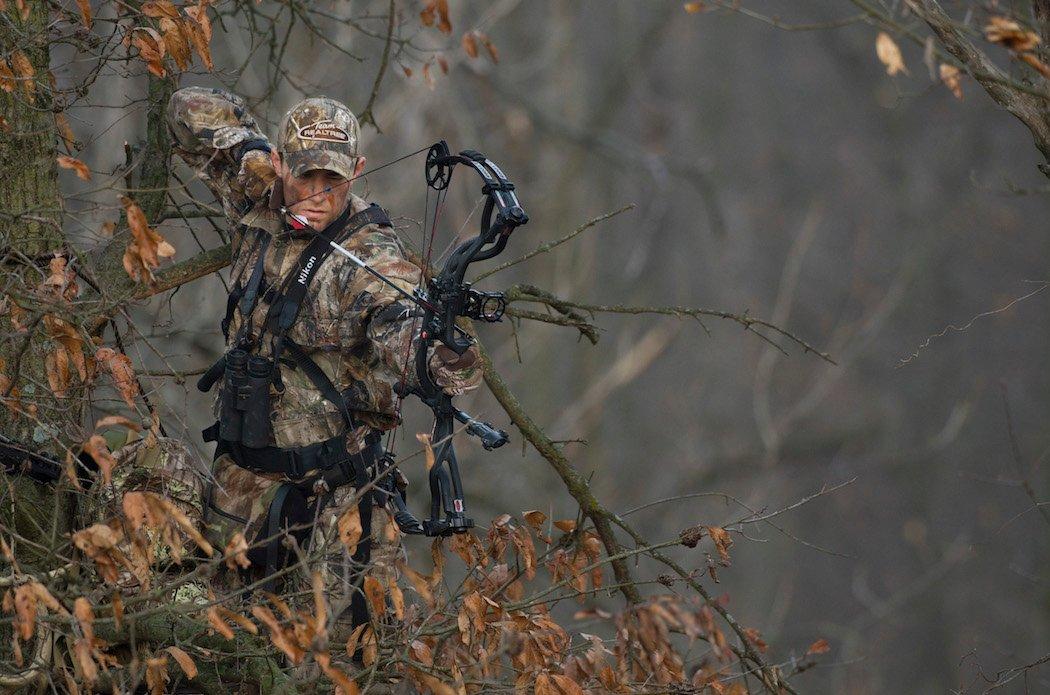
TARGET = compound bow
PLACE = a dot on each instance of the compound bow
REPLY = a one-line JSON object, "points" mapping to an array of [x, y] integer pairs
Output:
{"points": [[446, 297]]}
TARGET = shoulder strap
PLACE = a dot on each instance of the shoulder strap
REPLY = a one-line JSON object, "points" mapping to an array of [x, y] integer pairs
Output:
{"points": [[285, 309], [320, 380], [246, 294]]}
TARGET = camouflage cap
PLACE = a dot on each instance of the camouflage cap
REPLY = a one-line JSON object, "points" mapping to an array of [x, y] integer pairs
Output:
{"points": [[319, 133]]}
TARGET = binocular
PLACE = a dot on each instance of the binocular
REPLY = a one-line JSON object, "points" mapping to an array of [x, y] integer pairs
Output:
{"points": [[245, 407]]}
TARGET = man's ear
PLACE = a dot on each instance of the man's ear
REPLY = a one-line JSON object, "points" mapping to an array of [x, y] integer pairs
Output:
{"points": [[360, 166], [275, 160]]}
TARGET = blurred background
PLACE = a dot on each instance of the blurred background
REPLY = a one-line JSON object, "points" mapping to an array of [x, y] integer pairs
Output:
{"points": [[778, 174]]}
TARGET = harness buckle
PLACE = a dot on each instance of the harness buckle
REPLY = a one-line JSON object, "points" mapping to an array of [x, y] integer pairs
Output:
{"points": [[295, 466]]}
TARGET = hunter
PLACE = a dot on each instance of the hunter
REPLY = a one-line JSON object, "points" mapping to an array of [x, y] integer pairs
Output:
{"points": [[315, 346]]}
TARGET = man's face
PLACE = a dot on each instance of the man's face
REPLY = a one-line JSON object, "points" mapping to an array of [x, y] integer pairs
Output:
{"points": [[319, 208]]}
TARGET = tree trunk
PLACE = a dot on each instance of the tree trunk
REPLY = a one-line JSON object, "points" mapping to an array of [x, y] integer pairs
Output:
{"points": [[30, 233]]}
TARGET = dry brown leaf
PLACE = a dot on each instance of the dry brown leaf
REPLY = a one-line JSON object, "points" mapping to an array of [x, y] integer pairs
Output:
{"points": [[156, 674], [242, 621], [526, 551], [280, 605], [722, 542], [952, 79], [890, 54], [8, 83], [217, 623], [369, 646], [424, 438], [61, 284], [821, 646], [76, 165], [320, 626], [98, 450], [200, 32], [429, 13], [444, 24], [1033, 61], [68, 137], [397, 599], [69, 338], [85, 617], [534, 518], [151, 48], [566, 525], [184, 661], [118, 608], [99, 542], [159, 8], [111, 420], [350, 528], [1010, 34], [85, 12], [470, 43], [489, 46], [282, 639], [376, 595], [177, 39], [82, 652], [342, 682], [755, 638], [436, 10], [693, 7], [353, 639], [25, 606], [237, 552], [156, 512], [146, 247], [119, 367], [565, 685], [420, 583], [56, 363], [22, 68]]}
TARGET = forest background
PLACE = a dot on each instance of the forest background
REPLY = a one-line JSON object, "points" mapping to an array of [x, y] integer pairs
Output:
{"points": [[775, 170]]}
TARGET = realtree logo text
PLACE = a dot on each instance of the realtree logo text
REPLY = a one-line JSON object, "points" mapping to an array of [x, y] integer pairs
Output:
{"points": [[323, 130]]}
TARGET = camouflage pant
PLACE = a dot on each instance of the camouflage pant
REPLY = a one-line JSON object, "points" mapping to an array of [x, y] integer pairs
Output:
{"points": [[239, 501], [164, 467], [232, 499]]}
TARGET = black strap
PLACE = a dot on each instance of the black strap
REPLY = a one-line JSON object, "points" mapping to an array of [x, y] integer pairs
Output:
{"points": [[239, 291], [251, 290], [273, 535], [329, 455], [320, 380]]}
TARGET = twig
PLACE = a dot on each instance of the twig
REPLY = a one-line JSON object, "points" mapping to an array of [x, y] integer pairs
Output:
{"points": [[528, 293], [544, 248], [367, 116]]}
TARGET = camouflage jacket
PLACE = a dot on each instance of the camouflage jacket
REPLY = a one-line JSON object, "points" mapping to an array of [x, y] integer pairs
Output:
{"points": [[347, 323]]}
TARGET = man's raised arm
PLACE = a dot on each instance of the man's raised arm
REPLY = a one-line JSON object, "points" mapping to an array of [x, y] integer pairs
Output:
{"points": [[215, 134]]}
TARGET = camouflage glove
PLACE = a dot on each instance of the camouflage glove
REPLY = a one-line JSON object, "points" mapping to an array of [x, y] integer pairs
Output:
{"points": [[455, 374], [202, 120]]}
